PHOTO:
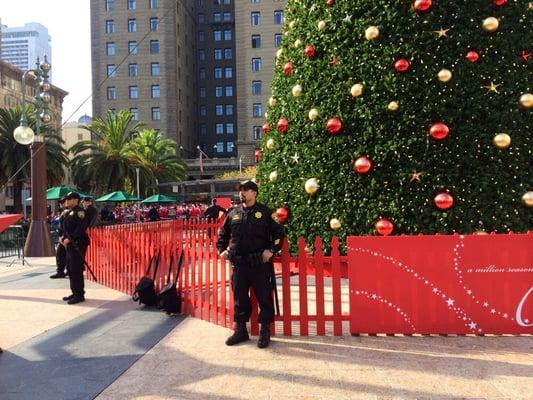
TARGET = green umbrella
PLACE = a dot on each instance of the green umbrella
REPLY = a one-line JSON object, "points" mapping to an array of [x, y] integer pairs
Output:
{"points": [[56, 192], [159, 198], [117, 197]]}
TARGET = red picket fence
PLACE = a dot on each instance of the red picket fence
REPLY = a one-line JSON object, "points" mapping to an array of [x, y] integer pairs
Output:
{"points": [[314, 302]]}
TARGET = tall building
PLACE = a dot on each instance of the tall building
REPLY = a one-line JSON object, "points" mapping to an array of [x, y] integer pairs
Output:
{"points": [[143, 60], [22, 45]]}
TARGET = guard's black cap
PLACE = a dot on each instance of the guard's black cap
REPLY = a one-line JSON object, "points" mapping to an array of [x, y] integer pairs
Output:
{"points": [[88, 198], [72, 195], [249, 185]]}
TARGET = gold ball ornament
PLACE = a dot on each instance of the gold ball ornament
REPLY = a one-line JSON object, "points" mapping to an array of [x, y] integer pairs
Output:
{"points": [[502, 140], [273, 177], [270, 144], [311, 186], [335, 223], [266, 114], [279, 53], [321, 25], [490, 24], [371, 33], [480, 232], [313, 114], [292, 24], [357, 90], [393, 106], [296, 90], [272, 102], [527, 199], [526, 100], [297, 43], [444, 75]]}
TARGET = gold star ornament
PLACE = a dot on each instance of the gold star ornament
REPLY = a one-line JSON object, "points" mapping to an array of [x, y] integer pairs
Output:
{"points": [[492, 87], [415, 176], [441, 33], [295, 157]]}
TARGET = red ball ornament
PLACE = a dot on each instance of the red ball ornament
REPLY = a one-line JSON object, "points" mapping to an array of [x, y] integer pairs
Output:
{"points": [[282, 214], [499, 3], [443, 201], [288, 68], [422, 5], [310, 51], [362, 165], [333, 126], [439, 131], [384, 227], [265, 128], [257, 155], [330, 3], [283, 125], [402, 65], [472, 56]]}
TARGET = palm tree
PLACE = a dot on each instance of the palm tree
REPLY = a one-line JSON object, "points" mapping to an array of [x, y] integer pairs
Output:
{"points": [[14, 157], [102, 164], [157, 159]]}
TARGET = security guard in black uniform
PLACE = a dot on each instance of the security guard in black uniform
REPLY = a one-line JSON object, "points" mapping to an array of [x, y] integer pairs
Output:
{"points": [[249, 238], [61, 253], [90, 211], [75, 241]]}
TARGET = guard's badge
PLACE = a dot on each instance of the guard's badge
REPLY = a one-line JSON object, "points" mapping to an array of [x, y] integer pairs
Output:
{"points": [[276, 242], [236, 217], [81, 214], [258, 214], [71, 213]]}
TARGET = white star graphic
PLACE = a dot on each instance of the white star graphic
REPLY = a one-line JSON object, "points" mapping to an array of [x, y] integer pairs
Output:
{"points": [[472, 325], [493, 311], [374, 296], [347, 19], [469, 292], [435, 290], [295, 157], [485, 304], [505, 315], [526, 321], [450, 302]]}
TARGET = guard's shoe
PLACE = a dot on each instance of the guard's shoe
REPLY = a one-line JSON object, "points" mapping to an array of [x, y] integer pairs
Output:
{"points": [[67, 298], [240, 335], [57, 275], [76, 300], [264, 337]]}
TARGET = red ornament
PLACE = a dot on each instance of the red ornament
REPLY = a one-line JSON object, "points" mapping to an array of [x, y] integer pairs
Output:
{"points": [[422, 5], [384, 227], [334, 125], [439, 131], [443, 201], [402, 65], [257, 155], [472, 56], [524, 55], [362, 165], [330, 3], [499, 3], [283, 125], [288, 68], [265, 128], [282, 214], [310, 51]]}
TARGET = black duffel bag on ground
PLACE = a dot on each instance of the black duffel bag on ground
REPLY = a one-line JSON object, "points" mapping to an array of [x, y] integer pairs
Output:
{"points": [[169, 299], [145, 288]]}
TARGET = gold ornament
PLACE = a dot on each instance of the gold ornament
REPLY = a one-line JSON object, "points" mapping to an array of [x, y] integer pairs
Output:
{"points": [[313, 114], [292, 24], [527, 100], [266, 114], [492, 87], [272, 102], [527, 198], [273, 177], [321, 25], [480, 232], [393, 106], [502, 140], [444, 75], [442, 32], [297, 43], [371, 33], [270, 144], [357, 90], [296, 90], [415, 176], [279, 53], [311, 186], [490, 24], [335, 223]]}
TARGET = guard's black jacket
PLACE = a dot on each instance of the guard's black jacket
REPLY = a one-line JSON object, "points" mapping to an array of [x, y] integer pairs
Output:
{"points": [[60, 227], [75, 224], [250, 230]]}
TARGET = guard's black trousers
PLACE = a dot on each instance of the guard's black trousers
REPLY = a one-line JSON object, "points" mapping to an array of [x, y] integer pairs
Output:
{"points": [[75, 268], [259, 278], [61, 259]]}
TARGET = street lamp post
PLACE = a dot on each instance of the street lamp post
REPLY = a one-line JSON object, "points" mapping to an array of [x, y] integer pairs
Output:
{"points": [[39, 241]]}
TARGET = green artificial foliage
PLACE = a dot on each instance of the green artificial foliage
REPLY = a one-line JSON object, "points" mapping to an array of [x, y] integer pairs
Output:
{"points": [[487, 183]]}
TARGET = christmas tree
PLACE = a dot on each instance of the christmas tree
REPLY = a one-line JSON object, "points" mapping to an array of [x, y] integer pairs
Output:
{"points": [[401, 117]]}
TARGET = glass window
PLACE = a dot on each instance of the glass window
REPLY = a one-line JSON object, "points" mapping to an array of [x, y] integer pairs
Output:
{"points": [[203, 130], [278, 17], [256, 41], [256, 18], [132, 25], [229, 147], [201, 18], [256, 88], [219, 129], [229, 91], [201, 54], [111, 48], [132, 47], [220, 147], [229, 128], [217, 17], [135, 113], [227, 34], [218, 91], [229, 109], [257, 110], [109, 5], [228, 72], [156, 91], [202, 73], [218, 73], [111, 70], [111, 93], [156, 113], [277, 39], [154, 24], [217, 35], [201, 36], [154, 46], [227, 1], [258, 133], [203, 110], [155, 69], [134, 92], [202, 92], [219, 109], [228, 53], [255, 1], [227, 17], [133, 70], [256, 64], [110, 26], [152, 3], [132, 4], [218, 54]]}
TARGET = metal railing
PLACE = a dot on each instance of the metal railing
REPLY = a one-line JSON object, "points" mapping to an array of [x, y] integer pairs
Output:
{"points": [[12, 242]]}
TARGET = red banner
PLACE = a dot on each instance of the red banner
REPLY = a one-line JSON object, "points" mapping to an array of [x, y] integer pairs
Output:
{"points": [[460, 284], [8, 219]]}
